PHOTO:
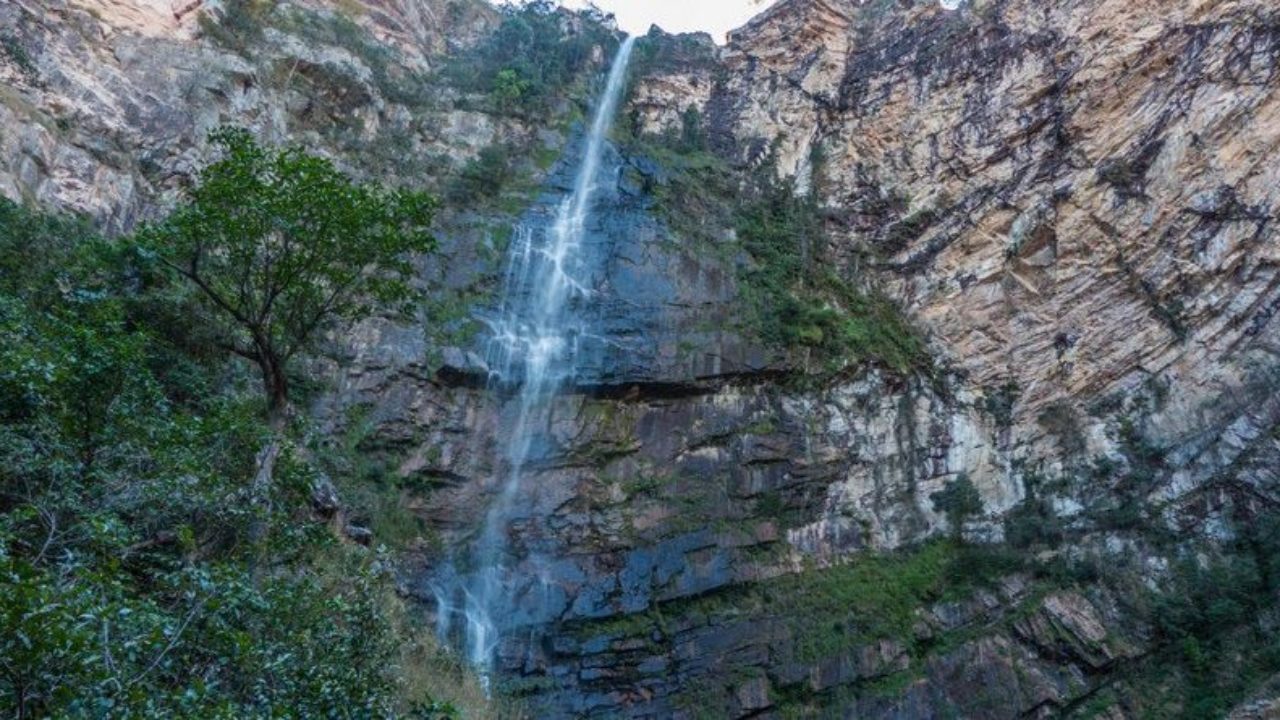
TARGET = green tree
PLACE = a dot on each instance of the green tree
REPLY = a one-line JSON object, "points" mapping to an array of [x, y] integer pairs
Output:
{"points": [[534, 58], [127, 589], [959, 501], [282, 245], [509, 88]]}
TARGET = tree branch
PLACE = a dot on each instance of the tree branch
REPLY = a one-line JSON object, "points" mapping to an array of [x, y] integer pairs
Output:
{"points": [[250, 355], [173, 641], [52, 521], [309, 326], [193, 275]]}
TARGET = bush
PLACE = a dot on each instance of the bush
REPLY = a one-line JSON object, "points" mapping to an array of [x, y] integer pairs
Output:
{"points": [[999, 402], [905, 231], [1033, 522], [958, 500], [483, 178]]}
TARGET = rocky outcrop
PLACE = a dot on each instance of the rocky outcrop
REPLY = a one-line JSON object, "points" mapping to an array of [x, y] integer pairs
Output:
{"points": [[1073, 198], [1062, 196], [992, 665], [106, 105]]}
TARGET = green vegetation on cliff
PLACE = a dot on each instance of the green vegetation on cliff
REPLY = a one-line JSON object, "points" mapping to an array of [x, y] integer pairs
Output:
{"points": [[797, 299], [1214, 620], [280, 246], [142, 573], [829, 610], [538, 53]]}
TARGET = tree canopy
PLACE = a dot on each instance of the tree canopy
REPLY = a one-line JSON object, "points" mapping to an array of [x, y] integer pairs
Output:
{"points": [[281, 244]]}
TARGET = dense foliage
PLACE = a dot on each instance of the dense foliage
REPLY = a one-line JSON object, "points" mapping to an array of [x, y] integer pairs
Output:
{"points": [[1213, 615], [538, 52], [280, 245], [129, 583]]}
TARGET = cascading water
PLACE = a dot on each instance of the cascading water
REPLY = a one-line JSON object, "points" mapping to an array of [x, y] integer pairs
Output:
{"points": [[535, 339]]}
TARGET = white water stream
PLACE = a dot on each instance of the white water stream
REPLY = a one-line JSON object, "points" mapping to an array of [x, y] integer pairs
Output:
{"points": [[535, 340]]}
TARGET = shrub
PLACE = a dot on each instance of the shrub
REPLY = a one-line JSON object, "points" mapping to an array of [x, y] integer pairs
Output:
{"points": [[903, 232], [1033, 522], [1062, 421], [483, 177], [510, 89], [958, 500], [999, 403]]}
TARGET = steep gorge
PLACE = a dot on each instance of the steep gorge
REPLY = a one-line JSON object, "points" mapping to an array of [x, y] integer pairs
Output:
{"points": [[1074, 203]]}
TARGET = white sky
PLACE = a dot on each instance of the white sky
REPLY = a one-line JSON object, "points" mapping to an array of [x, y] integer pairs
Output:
{"points": [[714, 16]]}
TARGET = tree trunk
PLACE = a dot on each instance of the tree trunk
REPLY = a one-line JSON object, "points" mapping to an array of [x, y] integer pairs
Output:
{"points": [[264, 473], [276, 385], [260, 496]]}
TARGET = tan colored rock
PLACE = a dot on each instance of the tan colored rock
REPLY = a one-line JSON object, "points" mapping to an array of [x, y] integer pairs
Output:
{"points": [[1103, 174], [111, 118]]}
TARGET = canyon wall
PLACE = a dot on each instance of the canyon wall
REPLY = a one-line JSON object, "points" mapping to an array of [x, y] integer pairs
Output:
{"points": [[1074, 202]]}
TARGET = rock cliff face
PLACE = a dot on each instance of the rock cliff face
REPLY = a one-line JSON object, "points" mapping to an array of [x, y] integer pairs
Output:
{"points": [[1089, 185], [1076, 201], [106, 105]]}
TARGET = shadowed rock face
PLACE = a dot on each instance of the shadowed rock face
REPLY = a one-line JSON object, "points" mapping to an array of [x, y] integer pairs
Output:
{"points": [[1075, 200], [657, 315]]}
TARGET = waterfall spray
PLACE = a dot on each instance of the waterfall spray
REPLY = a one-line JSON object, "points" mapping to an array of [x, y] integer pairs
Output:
{"points": [[534, 340]]}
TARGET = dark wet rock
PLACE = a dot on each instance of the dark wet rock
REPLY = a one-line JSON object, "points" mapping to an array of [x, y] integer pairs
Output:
{"points": [[359, 534], [324, 496], [463, 368]]}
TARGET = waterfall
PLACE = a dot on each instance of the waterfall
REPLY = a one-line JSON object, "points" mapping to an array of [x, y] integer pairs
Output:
{"points": [[533, 342]]}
